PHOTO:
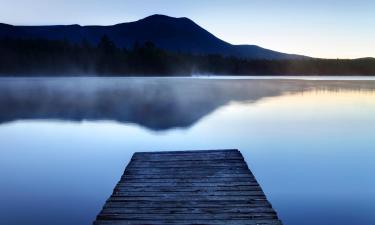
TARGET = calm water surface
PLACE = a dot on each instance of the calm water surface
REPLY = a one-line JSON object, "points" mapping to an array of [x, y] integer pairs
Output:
{"points": [[64, 142]]}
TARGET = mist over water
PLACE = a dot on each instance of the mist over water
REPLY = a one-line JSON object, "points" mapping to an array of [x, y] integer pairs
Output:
{"points": [[155, 103], [64, 142]]}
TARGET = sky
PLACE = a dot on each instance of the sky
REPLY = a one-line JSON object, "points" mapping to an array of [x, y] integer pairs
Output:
{"points": [[317, 28]]}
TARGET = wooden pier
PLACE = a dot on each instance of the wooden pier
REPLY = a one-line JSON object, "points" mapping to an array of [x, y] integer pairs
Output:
{"points": [[187, 187]]}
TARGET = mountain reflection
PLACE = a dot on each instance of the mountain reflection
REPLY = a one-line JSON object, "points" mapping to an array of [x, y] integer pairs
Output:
{"points": [[156, 103]]}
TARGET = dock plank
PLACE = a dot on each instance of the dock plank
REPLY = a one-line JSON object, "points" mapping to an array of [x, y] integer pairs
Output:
{"points": [[187, 187]]}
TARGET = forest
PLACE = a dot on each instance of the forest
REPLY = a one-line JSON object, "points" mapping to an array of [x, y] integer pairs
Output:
{"points": [[41, 57]]}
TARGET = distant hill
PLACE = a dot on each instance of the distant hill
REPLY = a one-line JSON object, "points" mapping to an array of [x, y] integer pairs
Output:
{"points": [[168, 33]]}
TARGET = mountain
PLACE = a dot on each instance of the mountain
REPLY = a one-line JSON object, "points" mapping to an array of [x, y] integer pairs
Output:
{"points": [[168, 33]]}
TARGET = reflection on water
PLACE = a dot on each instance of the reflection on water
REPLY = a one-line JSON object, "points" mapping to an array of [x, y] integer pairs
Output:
{"points": [[64, 142], [154, 103]]}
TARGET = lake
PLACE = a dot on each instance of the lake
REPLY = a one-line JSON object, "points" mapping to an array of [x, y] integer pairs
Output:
{"points": [[64, 142]]}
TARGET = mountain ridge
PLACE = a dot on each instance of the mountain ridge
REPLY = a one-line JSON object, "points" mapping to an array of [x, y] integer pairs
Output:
{"points": [[169, 33]]}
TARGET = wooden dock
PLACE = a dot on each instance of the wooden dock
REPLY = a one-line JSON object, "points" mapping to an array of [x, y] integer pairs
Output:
{"points": [[187, 187]]}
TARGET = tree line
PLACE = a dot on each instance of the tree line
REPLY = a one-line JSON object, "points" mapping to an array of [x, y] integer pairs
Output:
{"points": [[30, 57]]}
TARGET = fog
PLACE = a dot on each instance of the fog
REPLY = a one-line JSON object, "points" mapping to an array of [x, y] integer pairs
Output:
{"points": [[155, 103]]}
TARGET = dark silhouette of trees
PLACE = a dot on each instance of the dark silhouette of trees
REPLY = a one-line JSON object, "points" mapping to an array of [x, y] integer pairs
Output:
{"points": [[30, 57], [109, 57]]}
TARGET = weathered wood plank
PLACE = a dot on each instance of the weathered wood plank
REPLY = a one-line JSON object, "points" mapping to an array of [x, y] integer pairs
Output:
{"points": [[125, 193], [184, 184], [198, 164], [188, 197], [187, 187], [187, 204], [178, 205], [166, 170], [187, 172], [189, 180], [187, 210], [184, 176], [220, 216], [187, 157], [183, 152], [189, 222]]}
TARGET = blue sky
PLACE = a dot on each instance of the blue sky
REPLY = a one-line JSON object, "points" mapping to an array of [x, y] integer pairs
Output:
{"points": [[320, 28]]}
